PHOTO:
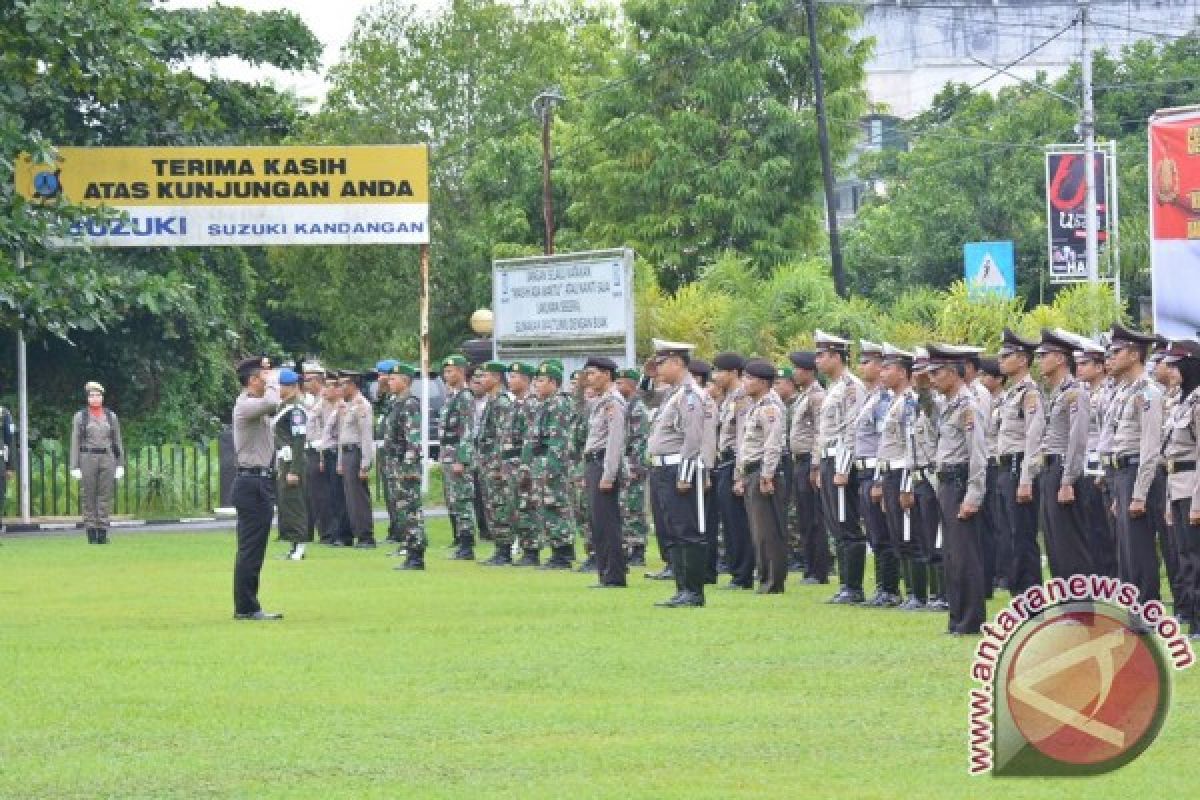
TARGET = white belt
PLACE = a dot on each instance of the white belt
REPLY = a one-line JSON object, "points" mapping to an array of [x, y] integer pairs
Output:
{"points": [[866, 463], [891, 465], [829, 452], [666, 461]]}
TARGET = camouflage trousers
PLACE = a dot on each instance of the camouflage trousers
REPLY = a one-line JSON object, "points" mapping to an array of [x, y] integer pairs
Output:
{"points": [[525, 525], [581, 504], [551, 497], [633, 509], [499, 502], [459, 491], [403, 482], [395, 516]]}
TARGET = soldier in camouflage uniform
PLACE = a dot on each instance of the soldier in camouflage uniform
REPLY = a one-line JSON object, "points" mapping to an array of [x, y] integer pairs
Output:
{"points": [[402, 444], [525, 406], [545, 472], [383, 406], [493, 446], [457, 420], [633, 494]]}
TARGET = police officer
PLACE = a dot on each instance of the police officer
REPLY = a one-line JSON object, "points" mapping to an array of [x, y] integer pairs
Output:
{"points": [[253, 491], [892, 477], [547, 476], [356, 454], [994, 525], [1130, 451], [758, 475], [402, 442], [802, 440], [864, 449], [316, 486], [1089, 492], [961, 469], [97, 459], [602, 454], [493, 445], [633, 484], [1166, 379], [731, 423], [785, 388], [832, 467], [675, 448], [290, 430], [340, 533], [456, 456], [477, 385], [1022, 419], [1180, 453], [710, 526], [921, 499], [1062, 456]]}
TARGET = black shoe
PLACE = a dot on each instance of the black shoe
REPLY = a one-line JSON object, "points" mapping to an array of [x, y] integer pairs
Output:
{"points": [[463, 554], [848, 597], [938, 604], [101, 536], [259, 616], [366, 544], [685, 599], [637, 556], [555, 562], [500, 558], [670, 602], [529, 559], [664, 574], [341, 543], [410, 563], [607, 586], [588, 565], [813, 580], [722, 568], [913, 603], [735, 585], [91, 535]]}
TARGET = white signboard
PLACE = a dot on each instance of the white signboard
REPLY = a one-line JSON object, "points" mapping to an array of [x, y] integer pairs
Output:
{"points": [[574, 296]]}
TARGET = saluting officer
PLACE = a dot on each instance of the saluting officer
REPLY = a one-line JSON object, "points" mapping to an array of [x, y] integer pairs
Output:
{"points": [[1131, 451], [356, 454], [1022, 420], [1181, 451], [892, 477], [676, 447], [802, 439], [758, 475], [1062, 456], [868, 428], [731, 426], [456, 457], [832, 468], [602, 455], [961, 469], [1090, 492]]}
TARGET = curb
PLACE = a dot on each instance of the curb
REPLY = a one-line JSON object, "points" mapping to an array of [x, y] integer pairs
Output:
{"points": [[223, 515]]}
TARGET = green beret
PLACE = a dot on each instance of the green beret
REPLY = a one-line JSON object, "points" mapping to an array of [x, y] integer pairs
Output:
{"points": [[495, 366], [400, 368], [785, 372], [630, 374], [455, 360], [548, 369], [556, 362], [521, 368]]}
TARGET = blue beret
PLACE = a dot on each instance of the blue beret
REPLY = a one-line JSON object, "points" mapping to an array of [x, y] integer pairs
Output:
{"points": [[385, 366], [288, 377]]}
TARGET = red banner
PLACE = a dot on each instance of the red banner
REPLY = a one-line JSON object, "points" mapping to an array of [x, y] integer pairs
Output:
{"points": [[1175, 221]]}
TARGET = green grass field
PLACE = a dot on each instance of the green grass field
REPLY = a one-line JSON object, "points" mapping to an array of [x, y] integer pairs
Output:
{"points": [[122, 675]]}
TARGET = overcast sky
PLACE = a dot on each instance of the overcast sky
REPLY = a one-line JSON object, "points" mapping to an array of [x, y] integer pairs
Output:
{"points": [[331, 20]]}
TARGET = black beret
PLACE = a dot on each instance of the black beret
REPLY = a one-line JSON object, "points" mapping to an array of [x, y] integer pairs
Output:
{"points": [[760, 368], [729, 361], [249, 365], [700, 368], [804, 359], [601, 362], [990, 366]]}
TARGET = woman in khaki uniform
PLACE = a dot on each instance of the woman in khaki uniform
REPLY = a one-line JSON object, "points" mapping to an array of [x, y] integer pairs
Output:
{"points": [[97, 460]]}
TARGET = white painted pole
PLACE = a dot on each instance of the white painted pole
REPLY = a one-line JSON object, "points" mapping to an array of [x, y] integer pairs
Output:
{"points": [[424, 324], [23, 408]]}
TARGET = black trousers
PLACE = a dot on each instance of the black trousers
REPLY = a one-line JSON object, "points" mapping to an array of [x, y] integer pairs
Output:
{"points": [[677, 510], [767, 527], [1137, 557], [1168, 545], [928, 520], [358, 497], [739, 549], [317, 496], [1025, 567], [812, 521], [1067, 547], [1187, 603], [606, 527], [339, 521], [712, 529], [911, 547], [963, 554], [1097, 521], [875, 521], [997, 547], [254, 500]]}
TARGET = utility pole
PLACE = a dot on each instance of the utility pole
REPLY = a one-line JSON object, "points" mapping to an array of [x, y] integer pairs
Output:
{"points": [[1088, 125], [814, 56], [543, 106]]}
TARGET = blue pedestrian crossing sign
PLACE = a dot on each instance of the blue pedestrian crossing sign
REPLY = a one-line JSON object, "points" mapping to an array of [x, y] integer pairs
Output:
{"points": [[989, 268]]}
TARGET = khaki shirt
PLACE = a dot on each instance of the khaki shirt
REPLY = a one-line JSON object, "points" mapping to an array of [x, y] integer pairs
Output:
{"points": [[1022, 420], [253, 438], [1134, 423], [893, 441], [922, 437], [1181, 444], [839, 410], [802, 433], [708, 453], [315, 431], [606, 432], [961, 442], [356, 425], [763, 440], [1066, 431], [679, 423], [98, 436], [731, 422], [868, 425]]}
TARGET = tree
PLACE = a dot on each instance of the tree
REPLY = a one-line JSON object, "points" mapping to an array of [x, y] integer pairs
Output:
{"points": [[708, 142]]}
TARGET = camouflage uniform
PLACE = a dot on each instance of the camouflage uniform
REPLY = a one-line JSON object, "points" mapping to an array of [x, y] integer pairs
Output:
{"points": [[402, 476], [525, 410], [579, 495], [493, 441], [633, 495], [546, 461], [383, 409], [456, 422]]}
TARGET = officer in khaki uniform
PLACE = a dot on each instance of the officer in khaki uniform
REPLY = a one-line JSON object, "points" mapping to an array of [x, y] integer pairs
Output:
{"points": [[1181, 451], [731, 425], [892, 478], [1131, 452], [921, 500], [356, 454], [1022, 419], [868, 428], [785, 387], [1062, 456], [832, 467], [97, 459], [1091, 490], [603, 453], [802, 438], [961, 471], [758, 475], [316, 485]]}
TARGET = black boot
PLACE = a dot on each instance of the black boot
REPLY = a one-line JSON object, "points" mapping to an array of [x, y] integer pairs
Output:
{"points": [[561, 556], [671, 554], [415, 560], [694, 559], [501, 558], [91, 534], [937, 589], [529, 558], [101, 536], [637, 555]]}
